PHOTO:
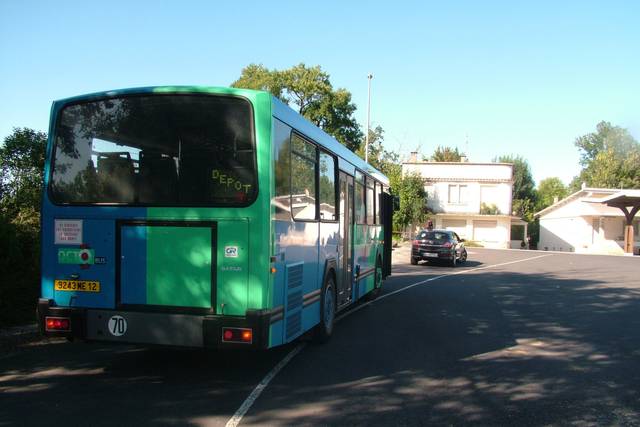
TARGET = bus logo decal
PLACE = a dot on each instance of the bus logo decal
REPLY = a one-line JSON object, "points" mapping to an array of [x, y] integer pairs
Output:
{"points": [[231, 252]]}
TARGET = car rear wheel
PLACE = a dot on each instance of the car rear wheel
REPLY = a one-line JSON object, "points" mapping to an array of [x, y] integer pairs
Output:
{"points": [[414, 260], [463, 255], [454, 260]]}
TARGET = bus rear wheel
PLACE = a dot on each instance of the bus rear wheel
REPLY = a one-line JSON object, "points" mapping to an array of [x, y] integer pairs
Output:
{"points": [[327, 311]]}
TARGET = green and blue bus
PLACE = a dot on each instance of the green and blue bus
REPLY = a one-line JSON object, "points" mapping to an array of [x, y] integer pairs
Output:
{"points": [[204, 217]]}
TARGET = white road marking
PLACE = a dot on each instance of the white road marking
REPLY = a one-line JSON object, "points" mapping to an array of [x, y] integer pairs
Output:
{"points": [[257, 391], [242, 410], [431, 279]]}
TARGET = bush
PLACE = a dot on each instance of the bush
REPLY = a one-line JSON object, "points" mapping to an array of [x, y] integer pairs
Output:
{"points": [[20, 269]]}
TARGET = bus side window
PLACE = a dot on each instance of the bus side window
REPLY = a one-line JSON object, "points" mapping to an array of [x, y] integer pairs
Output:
{"points": [[282, 171], [304, 161], [327, 187], [378, 202], [360, 199], [370, 201]]}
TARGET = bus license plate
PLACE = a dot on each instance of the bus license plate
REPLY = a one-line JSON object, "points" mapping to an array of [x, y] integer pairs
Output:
{"points": [[77, 285]]}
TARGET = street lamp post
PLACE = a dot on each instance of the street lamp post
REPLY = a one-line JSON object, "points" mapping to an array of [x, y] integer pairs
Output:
{"points": [[366, 137]]}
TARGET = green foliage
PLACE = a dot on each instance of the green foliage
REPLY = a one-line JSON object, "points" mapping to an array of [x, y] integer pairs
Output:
{"points": [[413, 201], [534, 233], [309, 90], [610, 158], [388, 162], [548, 190], [517, 232], [491, 209], [446, 154], [21, 169], [524, 192], [473, 244]]}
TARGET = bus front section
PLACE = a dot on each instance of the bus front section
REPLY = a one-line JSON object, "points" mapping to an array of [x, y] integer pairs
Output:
{"points": [[149, 218]]}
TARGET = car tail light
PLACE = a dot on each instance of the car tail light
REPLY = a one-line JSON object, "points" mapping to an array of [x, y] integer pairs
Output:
{"points": [[416, 242], [57, 323], [447, 244], [237, 335]]}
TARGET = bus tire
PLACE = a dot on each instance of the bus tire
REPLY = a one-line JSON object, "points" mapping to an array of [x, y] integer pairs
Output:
{"points": [[327, 311]]}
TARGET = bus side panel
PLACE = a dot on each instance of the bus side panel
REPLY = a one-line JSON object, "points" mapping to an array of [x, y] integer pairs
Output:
{"points": [[327, 251], [276, 335], [297, 242], [361, 258]]}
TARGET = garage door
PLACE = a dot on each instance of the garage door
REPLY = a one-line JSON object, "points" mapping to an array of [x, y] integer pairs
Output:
{"points": [[456, 225], [485, 231]]}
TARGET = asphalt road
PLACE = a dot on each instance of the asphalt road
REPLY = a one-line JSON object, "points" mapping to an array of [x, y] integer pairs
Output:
{"points": [[509, 338]]}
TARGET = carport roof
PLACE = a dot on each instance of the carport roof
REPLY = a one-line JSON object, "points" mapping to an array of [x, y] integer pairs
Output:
{"points": [[622, 198]]}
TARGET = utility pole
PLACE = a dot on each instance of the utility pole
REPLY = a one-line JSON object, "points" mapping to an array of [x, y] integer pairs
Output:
{"points": [[366, 137]]}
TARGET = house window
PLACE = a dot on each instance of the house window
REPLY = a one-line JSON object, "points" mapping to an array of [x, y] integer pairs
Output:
{"points": [[457, 194]]}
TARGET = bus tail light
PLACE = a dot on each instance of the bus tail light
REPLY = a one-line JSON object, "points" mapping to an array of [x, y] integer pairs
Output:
{"points": [[57, 323], [237, 335]]}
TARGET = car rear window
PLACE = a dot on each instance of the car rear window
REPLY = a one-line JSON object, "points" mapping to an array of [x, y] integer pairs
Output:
{"points": [[434, 235]]}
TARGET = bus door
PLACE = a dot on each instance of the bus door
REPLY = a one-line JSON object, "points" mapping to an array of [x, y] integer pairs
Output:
{"points": [[345, 254]]}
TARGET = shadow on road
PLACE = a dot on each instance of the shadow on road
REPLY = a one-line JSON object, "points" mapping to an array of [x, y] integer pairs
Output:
{"points": [[490, 349], [80, 384]]}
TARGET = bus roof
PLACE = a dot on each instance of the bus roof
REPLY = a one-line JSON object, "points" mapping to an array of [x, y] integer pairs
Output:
{"points": [[285, 113], [279, 109]]}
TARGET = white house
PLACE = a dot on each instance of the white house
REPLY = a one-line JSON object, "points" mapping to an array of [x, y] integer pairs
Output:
{"points": [[472, 199], [582, 223]]}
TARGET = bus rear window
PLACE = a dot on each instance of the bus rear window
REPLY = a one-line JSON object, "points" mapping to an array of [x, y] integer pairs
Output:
{"points": [[166, 150]]}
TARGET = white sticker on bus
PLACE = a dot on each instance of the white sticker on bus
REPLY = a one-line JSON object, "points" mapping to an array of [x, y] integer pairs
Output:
{"points": [[68, 231], [117, 326]]}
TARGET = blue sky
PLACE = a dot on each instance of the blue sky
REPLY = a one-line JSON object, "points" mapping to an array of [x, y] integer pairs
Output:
{"points": [[511, 78]]}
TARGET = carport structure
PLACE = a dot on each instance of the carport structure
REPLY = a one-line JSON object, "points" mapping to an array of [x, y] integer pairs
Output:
{"points": [[628, 201]]}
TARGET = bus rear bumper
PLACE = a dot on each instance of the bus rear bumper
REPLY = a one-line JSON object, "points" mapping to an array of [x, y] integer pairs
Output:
{"points": [[156, 328]]}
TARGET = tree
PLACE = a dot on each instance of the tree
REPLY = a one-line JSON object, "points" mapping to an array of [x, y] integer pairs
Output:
{"points": [[548, 190], [413, 202], [607, 137], [21, 169], [524, 192], [388, 162], [610, 158], [446, 154], [309, 91]]}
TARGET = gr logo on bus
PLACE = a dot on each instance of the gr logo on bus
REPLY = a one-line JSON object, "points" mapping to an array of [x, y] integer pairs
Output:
{"points": [[231, 251]]}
